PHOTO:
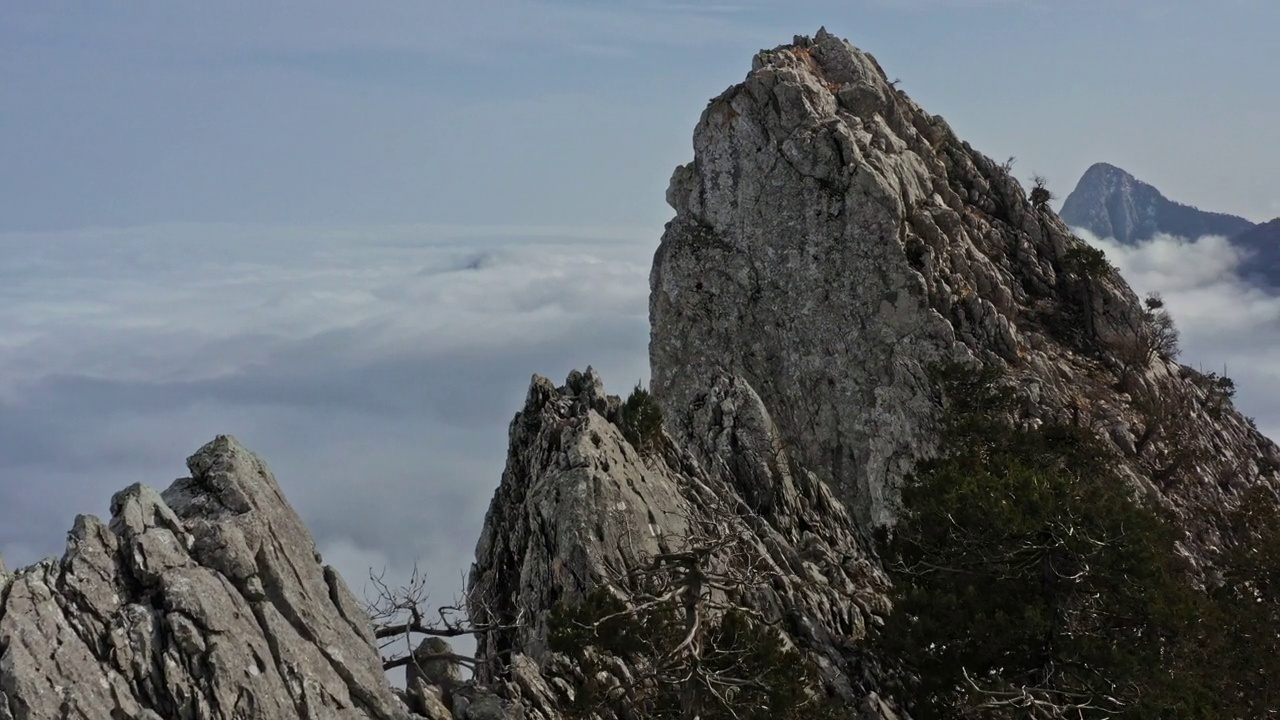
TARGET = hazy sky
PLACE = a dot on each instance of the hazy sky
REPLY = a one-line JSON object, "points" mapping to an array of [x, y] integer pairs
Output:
{"points": [[574, 112], [348, 233]]}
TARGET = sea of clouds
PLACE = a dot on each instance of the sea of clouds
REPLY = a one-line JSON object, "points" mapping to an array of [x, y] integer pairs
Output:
{"points": [[375, 369]]}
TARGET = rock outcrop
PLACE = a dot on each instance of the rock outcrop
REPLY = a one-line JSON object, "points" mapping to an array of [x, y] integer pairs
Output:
{"points": [[208, 601], [578, 499], [833, 241], [833, 246], [1111, 203]]}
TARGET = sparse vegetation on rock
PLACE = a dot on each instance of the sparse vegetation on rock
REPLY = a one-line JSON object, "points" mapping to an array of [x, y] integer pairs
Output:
{"points": [[642, 419], [669, 636], [1040, 194]]}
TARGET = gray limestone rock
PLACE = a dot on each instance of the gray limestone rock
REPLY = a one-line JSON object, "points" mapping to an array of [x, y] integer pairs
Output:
{"points": [[785, 265], [431, 678], [203, 602], [577, 498], [427, 701], [833, 247], [833, 243]]}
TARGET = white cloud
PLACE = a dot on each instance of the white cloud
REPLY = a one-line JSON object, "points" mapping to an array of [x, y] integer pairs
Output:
{"points": [[375, 369]]}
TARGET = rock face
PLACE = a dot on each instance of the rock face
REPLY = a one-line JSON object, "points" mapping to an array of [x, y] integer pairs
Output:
{"points": [[1111, 203], [577, 498], [206, 601], [833, 245], [833, 241]]}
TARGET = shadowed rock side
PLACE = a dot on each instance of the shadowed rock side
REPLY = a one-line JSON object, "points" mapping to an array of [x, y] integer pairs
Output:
{"points": [[577, 498], [1261, 246], [1111, 203], [833, 241], [207, 601]]}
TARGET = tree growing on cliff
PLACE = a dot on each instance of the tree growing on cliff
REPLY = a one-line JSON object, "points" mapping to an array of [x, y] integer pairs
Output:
{"points": [[642, 419], [1040, 194], [669, 636], [402, 615], [1155, 337], [1030, 583]]}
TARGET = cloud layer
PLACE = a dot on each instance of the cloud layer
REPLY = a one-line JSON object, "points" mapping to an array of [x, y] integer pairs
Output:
{"points": [[375, 369]]}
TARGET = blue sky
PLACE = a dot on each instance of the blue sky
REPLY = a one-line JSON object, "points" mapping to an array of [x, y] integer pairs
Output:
{"points": [[348, 233], [569, 113]]}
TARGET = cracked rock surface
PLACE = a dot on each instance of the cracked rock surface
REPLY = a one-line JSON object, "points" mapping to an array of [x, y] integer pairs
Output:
{"points": [[833, 245], [578, 499], [833, 241], [207, 601]]}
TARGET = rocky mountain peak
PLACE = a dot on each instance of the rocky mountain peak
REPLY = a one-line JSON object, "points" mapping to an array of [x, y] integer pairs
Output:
{"points": [[207, 601], [1111, 203], [832, 242], [833, 246]]}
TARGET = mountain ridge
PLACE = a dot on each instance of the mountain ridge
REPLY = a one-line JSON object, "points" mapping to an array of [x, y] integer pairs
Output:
{"points": [[1111, 203]]}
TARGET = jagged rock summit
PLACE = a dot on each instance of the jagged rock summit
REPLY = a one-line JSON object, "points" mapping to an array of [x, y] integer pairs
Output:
{"points": [[578, 500], [1111, 203], [208, 601], [833, 241], [833, 246]]}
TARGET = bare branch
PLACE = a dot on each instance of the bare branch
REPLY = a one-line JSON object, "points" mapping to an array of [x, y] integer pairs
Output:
{"points": [[401, 613]]}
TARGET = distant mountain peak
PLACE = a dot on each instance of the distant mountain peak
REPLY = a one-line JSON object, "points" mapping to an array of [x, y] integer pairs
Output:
{"points": [[1111, 203]]}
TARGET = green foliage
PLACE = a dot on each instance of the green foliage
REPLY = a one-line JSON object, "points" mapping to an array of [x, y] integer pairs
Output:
{"points": [[1040, 194], [1025, 569], [642, 420], [1219, 391], [1085, 261], [1223, 386], [1245, 638], [750, 673], [1163, 332], [602, 620]]}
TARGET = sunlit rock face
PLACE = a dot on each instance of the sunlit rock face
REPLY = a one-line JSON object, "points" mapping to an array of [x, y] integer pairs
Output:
{"points": [[833, 247], [578, 501]]}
